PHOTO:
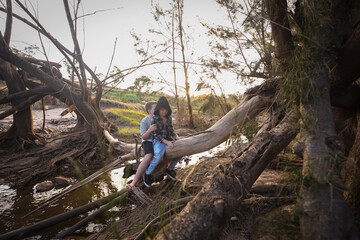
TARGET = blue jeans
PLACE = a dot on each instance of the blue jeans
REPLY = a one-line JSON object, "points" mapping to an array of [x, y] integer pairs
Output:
{"points": [[159, 151]]}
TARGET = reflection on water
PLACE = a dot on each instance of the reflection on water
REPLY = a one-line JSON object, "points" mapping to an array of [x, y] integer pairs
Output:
{"points": [[39, 197], [7, 198], [16, 203], [193, 159]]}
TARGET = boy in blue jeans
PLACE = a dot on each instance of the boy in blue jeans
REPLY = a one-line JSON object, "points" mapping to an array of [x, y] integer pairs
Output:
{"points": [[163, 137]]}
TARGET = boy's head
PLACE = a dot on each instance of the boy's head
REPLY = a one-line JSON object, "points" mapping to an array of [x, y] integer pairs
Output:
{"points": [[163, 112], [150, 107], [163, 108]]}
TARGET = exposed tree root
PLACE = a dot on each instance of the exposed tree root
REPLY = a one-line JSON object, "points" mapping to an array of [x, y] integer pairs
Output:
{"points": [[67, 154]]}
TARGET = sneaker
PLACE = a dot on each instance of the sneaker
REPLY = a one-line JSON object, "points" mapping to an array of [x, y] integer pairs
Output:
{"points": [[148, 180], [171, 174]]}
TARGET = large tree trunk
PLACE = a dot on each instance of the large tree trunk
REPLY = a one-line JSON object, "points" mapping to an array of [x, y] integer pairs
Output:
{"points": [[325, 213], [22, 127], [206, 214]]}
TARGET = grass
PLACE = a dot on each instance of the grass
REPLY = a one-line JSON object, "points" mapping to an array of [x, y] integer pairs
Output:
{"points": [[122, 105], [127, 117], [127, 120], [129, 131]]}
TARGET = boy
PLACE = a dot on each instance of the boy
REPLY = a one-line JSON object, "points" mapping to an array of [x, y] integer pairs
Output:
{"points": [[146, 128], [164, 136]]}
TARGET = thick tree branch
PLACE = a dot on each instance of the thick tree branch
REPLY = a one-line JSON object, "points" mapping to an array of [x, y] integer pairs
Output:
{"points": [[280, 29], [8, 27], [43, 90], [21, 106], [78, 54]]}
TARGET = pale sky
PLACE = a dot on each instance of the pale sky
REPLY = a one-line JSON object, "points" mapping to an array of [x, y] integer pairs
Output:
{"points": [[102, 28]]}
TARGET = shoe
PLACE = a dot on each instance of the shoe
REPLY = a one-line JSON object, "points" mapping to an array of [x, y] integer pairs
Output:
{"points": [[171, 174], [148, 180], [159, 178]]}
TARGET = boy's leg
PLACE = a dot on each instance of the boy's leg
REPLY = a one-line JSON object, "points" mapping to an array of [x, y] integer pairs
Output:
{"points": [[170, 170], [159, 151], [141, 169], [173, 164]]}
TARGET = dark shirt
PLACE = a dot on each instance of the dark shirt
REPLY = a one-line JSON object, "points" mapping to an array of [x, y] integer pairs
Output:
{"points": [[163, 132]]}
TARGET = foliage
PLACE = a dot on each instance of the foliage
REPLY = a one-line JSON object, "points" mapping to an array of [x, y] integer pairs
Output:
{"points": [[248, 33], [214, 105], [130, 97], [28, 51], [140, 83], [250, 128]]}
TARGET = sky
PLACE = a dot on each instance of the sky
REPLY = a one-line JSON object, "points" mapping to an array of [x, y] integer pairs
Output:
{"points": [[97, 34]]}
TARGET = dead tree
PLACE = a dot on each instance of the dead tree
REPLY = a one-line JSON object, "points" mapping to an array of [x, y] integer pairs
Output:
{"points": [[21, 130], [89, 114]]}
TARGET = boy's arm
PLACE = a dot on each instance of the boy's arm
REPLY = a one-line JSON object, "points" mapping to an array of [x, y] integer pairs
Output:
{"points": [[147, 134], [146, 129], [171, 130], [156, 134]]}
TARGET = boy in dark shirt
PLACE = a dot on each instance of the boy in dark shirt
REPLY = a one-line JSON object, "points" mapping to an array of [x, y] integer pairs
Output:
{"points": [[163, 137]]}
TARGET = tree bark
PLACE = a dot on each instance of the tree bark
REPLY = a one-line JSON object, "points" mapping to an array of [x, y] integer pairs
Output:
{"points": [[205, 215], [325, 213], [280, 30], [352, 173]]}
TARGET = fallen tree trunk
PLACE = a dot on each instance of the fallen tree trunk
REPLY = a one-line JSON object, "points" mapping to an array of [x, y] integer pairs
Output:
{"points": [[254, 101], [205, 215]]}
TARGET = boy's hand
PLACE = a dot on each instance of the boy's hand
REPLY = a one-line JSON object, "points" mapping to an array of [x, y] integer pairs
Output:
{"points": [[153, 127], [169, 144]]}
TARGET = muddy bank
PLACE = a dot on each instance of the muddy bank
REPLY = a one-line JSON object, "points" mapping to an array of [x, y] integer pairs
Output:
{"points": [[54, 122]]}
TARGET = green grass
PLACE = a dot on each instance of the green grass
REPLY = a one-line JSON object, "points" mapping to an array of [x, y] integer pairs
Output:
{"points": [[129, 131], [127, 117]]}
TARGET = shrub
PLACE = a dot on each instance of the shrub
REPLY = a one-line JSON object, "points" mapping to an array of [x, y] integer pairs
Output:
{"points": [[130, 97]]}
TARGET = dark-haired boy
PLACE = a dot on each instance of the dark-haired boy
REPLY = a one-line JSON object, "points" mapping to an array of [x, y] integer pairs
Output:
{"points": [[163, 137]]}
